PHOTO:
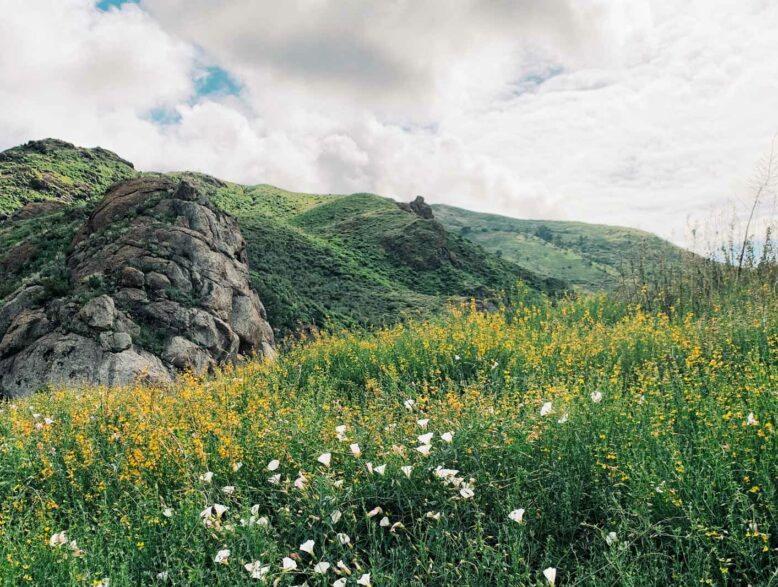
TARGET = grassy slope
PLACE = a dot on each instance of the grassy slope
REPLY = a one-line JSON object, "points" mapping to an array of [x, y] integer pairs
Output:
{"points": [[669, 460], [590, 256], [315, 259]]}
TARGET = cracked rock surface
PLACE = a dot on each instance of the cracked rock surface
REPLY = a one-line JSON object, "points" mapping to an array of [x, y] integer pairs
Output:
{"points": [[159, 283]]}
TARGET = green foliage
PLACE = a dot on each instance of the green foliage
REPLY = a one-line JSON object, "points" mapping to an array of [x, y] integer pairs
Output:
{"points": [[667, 477], [591, 257]]}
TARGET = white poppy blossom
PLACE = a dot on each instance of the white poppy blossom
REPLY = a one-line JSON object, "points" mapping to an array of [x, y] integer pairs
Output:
{"points": [[335, 516], [517, 515], [407, 469], [273, 465], [447, 437], [355, 450], [375, 511], [546, 409], [611, 538], [340, 582], [364, 580], [343, 538], [380, 469], [275, 479], [206, 477], [256, 569], [325, 459], [322, 568], [409, 403], [222, 557], [550, 575], [596, 396], [384, 523], [424, 449], [228, 489], [426, 438], [307, 546], [288, 564]]}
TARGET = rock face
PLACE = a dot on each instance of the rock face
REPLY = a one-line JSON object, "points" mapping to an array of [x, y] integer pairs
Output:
{"points": [[158, 283]]}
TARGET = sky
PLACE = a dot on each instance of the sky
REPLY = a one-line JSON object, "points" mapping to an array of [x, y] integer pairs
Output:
{"points": [[649, 113]]}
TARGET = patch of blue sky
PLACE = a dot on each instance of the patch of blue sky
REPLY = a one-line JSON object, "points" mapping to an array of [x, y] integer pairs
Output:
{"points": [[214, 80], [164, 116], [108, 4]]}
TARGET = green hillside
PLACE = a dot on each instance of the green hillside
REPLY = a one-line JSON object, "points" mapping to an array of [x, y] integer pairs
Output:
{"points": [[588, 256], [315, 259]]}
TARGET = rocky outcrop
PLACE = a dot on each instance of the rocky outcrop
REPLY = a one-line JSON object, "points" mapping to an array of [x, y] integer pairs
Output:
{"points": [[419, 207], [159, 283]]}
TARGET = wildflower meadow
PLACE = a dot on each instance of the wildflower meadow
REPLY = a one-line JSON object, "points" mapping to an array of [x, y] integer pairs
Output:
{"points": [[581, 442]]}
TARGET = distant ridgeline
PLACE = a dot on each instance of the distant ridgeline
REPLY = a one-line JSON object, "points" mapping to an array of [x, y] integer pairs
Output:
{"points": [[313, 260]]}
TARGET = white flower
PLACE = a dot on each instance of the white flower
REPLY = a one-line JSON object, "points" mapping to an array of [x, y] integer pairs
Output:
{"points": [[409, 403], [163, 576], [307, 546], [321, 568], [369, 467], [517, 515], [206, 477], [546, 409], [167, 512], [340, 583], [447, 437], [236, 467], [222, 557], [288, 564], [457, 357], [340, 432], [751, 420], [433, 515], [48, 421], [335, 516], [355, 450], [611, 538], [364, 580], [407, 469], [396, 526], [343, 538], [564, 418], [423, 422], [228, 489], [424, 449], [426, 438], [596, 397], [494, 365], [466, 492], [343, 568], [375, 511], [445, 474], [58, 539], [257, 570], [338, 484], [384, 523], [325, 459], [299, 483], [212, 515], [105, 582], [275, 479], [550, 575], [380, 469], [273, 465]]}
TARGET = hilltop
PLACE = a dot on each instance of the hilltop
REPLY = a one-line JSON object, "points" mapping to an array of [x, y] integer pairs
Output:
{"points": [[590, 257]]}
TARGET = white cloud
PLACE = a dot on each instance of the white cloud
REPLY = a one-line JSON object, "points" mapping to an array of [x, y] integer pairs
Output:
{"points": [[639, 113]]}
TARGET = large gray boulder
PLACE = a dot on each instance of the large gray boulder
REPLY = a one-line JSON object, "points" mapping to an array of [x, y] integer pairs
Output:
{"points": [[160, 284]]}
